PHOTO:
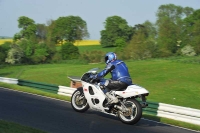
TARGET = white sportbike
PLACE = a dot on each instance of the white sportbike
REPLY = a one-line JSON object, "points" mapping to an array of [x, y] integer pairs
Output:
{"points": [[90, 95]]}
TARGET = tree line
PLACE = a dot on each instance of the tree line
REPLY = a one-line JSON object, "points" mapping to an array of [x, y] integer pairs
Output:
{"points": [[37, 43], [176, 32]]}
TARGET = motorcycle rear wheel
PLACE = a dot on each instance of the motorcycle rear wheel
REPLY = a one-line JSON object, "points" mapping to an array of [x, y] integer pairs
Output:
{"points": [[78, 101], [133, 115]]}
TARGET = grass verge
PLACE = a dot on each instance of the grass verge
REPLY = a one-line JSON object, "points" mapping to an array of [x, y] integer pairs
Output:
{"points": [[11, 127], [151, 117]]}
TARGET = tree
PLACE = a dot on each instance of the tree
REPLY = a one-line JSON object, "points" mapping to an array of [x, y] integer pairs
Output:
{"points": [[115, 27], [170, 27], [4, 48], [69, 51], [28, 27], [34, 53], [17, 36], [50, 28], [197, 36], [49, 36], [192, 30], [120, 43], [41, 32], [34, 41], [40, 54], [15, 54], [44, 35], [188, 50], [69, 29], [168, 36], [150, 30], [141, 45], [28, 47]]}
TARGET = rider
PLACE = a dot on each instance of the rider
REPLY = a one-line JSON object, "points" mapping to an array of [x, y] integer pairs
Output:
{"points": [[120, 76]]}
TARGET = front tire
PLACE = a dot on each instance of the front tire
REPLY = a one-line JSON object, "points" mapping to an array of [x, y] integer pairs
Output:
{"points": [[78, 101], [134, 113]]}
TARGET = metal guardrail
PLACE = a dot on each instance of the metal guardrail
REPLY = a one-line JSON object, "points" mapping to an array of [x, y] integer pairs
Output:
{"points": [[9, 80], [41, 86], [179, 113], [66, 91]]}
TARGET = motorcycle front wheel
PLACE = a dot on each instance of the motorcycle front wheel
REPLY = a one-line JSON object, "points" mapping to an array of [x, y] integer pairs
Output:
{"points": [[133, 112], [78, 101]]}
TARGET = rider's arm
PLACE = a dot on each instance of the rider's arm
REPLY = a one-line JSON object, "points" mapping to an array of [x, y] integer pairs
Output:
{"points": [[108, 69]]}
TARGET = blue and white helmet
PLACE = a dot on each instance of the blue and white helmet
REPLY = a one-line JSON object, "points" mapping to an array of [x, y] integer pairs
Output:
{"points": [[109, 57]]}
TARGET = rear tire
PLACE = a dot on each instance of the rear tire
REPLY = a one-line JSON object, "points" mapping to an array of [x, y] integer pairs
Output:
{"points": [[78, 101], [133, 115]]}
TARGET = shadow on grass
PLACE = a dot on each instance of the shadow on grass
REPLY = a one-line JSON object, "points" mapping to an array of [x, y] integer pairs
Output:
{"points": [[5, 74]]}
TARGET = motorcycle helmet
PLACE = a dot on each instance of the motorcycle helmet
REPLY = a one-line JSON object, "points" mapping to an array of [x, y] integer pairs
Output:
{"points": [[109, 57]]}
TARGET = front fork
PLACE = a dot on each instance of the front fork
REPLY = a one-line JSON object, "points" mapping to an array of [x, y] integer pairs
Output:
{"points": [[81, 98]]}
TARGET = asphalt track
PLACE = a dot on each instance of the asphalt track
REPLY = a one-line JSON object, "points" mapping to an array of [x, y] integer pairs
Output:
{"points": [[54, 116]]}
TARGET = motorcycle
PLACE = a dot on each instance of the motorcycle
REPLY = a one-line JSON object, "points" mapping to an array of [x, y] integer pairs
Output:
{"points": [[91, 95]]}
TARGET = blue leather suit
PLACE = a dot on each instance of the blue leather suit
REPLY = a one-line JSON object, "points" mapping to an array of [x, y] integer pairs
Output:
{"points": [[119, 73]]}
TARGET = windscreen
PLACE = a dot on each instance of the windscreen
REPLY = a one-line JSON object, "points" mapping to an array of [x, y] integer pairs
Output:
{"points": [[94, 70]]}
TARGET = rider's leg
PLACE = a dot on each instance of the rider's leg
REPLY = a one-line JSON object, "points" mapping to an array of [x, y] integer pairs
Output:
{"points": [[113, 85], [116, 85], [110, 98], [109, 85]]}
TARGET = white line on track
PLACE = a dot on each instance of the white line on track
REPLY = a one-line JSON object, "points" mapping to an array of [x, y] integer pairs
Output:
{"points": [[70, 102]]}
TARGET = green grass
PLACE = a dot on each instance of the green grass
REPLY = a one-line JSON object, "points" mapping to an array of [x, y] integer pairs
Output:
{"points": [[11, 127], [169, 81]]}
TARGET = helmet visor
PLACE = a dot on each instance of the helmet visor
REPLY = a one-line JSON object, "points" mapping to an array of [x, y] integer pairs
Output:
{"points": [[106, 59]]}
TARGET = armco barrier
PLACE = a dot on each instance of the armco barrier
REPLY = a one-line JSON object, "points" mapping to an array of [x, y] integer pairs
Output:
{"points": [[66, 91], [42, 86], [184, 114], [179, 113], [8, 80]]}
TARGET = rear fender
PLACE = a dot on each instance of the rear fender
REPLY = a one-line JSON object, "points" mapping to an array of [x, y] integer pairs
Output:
{"points": [[132, 91]]}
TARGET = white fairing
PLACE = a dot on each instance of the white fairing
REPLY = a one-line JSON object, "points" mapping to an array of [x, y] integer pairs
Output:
{"points": [[98, 94], [132, 90]]}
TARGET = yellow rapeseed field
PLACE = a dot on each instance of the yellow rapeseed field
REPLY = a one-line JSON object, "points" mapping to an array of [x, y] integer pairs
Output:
{"points": [[2, 41], [87, 42], [77, 43]]}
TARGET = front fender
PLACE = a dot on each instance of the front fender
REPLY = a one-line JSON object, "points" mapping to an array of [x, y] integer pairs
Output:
{"points": [[80, 89]]}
